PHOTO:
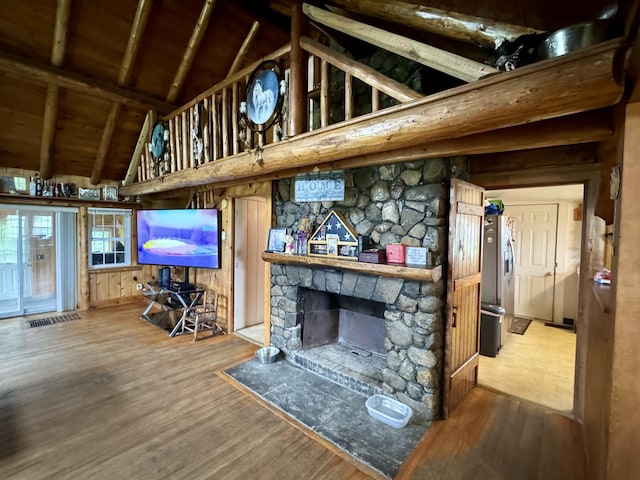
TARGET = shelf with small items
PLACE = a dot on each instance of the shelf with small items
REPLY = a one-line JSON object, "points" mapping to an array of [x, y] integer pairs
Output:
{"points": [[428, 274]]}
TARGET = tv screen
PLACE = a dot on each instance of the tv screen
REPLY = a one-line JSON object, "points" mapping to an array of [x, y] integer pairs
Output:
{"points": [[181, 238]]}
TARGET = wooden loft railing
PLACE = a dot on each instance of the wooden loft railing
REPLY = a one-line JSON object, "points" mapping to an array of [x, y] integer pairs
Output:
{"points": [[540, 105], [218, 108]]}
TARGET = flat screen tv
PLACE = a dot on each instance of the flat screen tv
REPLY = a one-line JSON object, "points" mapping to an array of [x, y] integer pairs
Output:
{"points": [[180, 238]]}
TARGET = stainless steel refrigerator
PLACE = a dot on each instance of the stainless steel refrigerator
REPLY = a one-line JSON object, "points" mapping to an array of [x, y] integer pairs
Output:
{"points": [[498, 268]]}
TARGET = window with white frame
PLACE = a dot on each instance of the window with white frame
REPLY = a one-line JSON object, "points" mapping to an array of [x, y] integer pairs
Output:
{"points": [[109, 237]]}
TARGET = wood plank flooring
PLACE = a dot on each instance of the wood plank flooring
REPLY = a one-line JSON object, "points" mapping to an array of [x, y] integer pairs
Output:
{"points": [[110, 396]]}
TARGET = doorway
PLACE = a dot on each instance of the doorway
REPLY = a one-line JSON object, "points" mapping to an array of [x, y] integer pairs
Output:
{"points": [[37, 247], [540, 364], [249, 279]]}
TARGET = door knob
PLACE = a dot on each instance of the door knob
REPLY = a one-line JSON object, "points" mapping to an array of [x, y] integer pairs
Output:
{"points": [[548, 274]]}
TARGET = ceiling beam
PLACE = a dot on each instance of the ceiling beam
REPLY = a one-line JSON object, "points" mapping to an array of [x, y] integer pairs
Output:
{"points": [[190, 52], [244, 48], [368, 75], [37, 72], [528, 94], [479, 31], [441, 60], [130, 54], [50, 116]]}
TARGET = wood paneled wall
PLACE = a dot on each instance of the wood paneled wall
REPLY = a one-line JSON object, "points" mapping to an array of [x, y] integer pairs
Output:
{"points": [[115, 286]]}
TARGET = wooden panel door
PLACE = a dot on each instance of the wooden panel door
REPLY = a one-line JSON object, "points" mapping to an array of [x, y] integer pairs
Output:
{"points": [[535, 259], [249, 278], [464, 274]]}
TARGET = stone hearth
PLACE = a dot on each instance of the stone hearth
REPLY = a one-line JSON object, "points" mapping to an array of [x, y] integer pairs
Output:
{"points": [[413, 319]]}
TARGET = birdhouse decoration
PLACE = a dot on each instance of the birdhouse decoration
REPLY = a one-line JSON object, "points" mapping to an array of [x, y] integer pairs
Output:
{"points": [[334, 238]]}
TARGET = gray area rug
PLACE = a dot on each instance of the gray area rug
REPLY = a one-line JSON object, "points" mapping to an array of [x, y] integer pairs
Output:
{"points": [[334, 412], [519, 325]]}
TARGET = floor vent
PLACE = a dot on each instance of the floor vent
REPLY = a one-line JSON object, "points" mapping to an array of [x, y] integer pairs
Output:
{"points": [[41, 322]]}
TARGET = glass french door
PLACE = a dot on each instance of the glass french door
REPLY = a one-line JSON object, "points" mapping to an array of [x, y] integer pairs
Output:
{"points": [[27, 261]]}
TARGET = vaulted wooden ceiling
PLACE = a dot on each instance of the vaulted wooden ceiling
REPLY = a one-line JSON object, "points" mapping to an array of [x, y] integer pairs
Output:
{"points": [[77, 77]]}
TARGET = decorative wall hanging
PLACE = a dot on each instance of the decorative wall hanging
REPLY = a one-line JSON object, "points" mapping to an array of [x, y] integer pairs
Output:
{"points": [[266, 89], [196, 134], [159, 147], [334, 237], [110, 193], [319, 187]]}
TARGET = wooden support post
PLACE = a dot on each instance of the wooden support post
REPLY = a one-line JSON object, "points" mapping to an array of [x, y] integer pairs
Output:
{"points": [[84, 291], [325, 101], [184, 120], [235, 103], [215, 125], [177, 134], [141, 144], [225, 122], [375, 99], [298, 78], [172, 144], [348, 96]]}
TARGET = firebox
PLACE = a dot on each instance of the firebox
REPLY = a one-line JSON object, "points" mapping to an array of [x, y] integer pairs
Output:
{"points": [[353, 322]]}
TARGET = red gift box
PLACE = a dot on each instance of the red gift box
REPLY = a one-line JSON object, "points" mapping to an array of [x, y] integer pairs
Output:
{"points": [[395, 253]]}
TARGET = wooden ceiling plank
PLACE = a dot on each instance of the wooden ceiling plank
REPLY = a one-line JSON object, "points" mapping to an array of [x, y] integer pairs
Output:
{"points": [[586, 79], [190, 52], [479, 31], [438, 59], [128, 60], [244, 48], [50, 117], [135, 40], [33, 71], [359, 70]]}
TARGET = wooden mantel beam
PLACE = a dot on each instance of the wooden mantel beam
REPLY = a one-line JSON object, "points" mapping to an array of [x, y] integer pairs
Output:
{"points": [[585, 79], [37, 72]]}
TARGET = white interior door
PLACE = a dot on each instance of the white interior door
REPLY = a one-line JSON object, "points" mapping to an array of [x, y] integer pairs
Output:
{"points": [[535, 259], [250, 241]]}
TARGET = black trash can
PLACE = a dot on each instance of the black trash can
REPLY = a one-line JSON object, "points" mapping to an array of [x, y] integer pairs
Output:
{"points": [[491, 317]]}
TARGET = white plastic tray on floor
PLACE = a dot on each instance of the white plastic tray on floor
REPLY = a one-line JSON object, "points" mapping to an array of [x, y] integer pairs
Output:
{"points": [[389, 410]]}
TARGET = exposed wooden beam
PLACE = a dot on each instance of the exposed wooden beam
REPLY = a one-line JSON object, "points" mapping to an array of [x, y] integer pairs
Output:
{"points": [[190, 52], [105, 142], [522, 96], [479, 31], [244, 48], [51, 103], [441, 60], [47, 138], [133, 45], [140, 145], [37, 72], [135, 39], [359, 70]]}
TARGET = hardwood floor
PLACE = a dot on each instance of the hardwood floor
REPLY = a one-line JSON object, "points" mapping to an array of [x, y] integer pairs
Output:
{"points": [[538, 366], [110, 396]]}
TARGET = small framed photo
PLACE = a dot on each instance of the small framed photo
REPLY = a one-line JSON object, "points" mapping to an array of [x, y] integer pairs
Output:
{"points": [[110, 193], [332, 244], [275, 243], [89, 193]]}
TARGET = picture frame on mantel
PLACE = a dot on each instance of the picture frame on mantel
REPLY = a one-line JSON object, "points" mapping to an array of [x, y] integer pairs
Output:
{"points": [[275, 242], [335, 237]]}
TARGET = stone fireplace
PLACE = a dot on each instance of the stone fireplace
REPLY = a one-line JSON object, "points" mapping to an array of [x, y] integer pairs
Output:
{"points": [[401, 352], [410, 365]]}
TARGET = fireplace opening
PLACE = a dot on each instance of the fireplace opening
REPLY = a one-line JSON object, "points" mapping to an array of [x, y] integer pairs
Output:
{"points": [[355, 323]]}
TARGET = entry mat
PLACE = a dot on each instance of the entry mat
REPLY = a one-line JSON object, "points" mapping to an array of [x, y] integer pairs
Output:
{"points": [[334, 412], [41, 322]]}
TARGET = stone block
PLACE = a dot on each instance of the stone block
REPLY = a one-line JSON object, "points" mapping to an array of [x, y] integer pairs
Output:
{"points": [[348, 286], [426, 320], [394, 380], [393, 360], [364, 227], [388, 238], [398, 230], [410, 241], [430, 304], [365, 286], [435, 170], [421, 357], [411, 177], [319, 281], [293, 273], [355, 216], [399, 334], [363, 201], [333, 281], [393, 315], [380, 192], [284, 190], [427, 377], [407, 370], [389, 172], [418, 231], [277, 269], [390, 212], [387, 290], [415, 391], [306, 277], [433, 288], [411, 289], [350, 197], [363, 178], [419, 206], [424, 193], [373, 213], [406, 304]]}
